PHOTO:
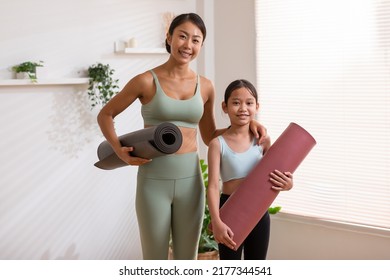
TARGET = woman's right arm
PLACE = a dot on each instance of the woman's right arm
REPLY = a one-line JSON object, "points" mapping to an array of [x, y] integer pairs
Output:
{"points": [[133, 90]]}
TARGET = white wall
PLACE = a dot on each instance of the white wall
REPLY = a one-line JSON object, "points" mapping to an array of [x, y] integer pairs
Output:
{"points": [[235, 47], [54, 204]]}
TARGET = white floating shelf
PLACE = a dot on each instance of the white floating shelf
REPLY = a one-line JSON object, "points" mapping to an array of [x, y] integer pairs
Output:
{"points": [[28, 82], [121, 48], [144, 51]]}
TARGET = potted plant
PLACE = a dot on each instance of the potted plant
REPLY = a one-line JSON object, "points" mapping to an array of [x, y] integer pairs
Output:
{"points": [[27, 70], [102, 85]]}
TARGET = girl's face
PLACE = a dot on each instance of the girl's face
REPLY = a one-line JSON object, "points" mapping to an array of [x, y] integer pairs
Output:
{"points": [[186, 41], [241, 106]]}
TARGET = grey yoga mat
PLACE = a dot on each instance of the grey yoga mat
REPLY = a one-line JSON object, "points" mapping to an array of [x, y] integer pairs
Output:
{"points": [[151, 142]]}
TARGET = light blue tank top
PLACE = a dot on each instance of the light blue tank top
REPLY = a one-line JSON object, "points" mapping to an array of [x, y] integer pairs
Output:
{"points": [[162, 108], [238, 165]]}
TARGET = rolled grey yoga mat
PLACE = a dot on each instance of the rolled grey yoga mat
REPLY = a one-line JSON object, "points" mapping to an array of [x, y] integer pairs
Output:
{"points": [[151, 142]]}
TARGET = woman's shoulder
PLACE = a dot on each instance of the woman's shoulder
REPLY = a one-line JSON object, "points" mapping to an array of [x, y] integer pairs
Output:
{"points": [[144, 78], [205, 82], [140, 85]]}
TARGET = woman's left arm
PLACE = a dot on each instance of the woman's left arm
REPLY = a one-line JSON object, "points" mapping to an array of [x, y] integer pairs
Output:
{"points": [[207, 126]]}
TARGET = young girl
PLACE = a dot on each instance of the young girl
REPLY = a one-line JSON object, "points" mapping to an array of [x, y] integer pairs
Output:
{"points": [[231, 157]]}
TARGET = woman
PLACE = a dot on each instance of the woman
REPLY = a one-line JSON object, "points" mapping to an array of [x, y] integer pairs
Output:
{"points": [[170, 192], [231, 157]]}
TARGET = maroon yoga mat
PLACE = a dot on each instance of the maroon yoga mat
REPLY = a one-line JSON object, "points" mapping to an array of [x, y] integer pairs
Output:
{"points": [[245, 207]]}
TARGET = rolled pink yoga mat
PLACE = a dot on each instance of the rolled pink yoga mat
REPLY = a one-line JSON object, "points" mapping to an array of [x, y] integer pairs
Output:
{"points": [[245, 207]]}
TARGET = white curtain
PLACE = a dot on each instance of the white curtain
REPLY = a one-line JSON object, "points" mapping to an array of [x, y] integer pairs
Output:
{"points": [[325, 64]]}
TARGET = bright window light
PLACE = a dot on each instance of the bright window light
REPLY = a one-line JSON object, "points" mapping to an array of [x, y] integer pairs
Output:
{"points": [[325, 64]]}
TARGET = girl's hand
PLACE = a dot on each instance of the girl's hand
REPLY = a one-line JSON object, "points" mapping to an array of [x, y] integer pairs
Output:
{"points": [[124, 154], [282, 181], [223, 234]]}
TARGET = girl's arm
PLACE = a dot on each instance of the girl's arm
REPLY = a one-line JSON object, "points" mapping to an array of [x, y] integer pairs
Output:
{"points": [[222, 233]]}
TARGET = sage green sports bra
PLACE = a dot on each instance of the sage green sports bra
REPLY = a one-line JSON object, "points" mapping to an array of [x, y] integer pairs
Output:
{"points": [[162, 108]]}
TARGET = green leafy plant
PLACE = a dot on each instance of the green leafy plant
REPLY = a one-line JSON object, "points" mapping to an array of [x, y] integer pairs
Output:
{"points": [[274, 210], [102, 85], [28, 67], [207, 242]]}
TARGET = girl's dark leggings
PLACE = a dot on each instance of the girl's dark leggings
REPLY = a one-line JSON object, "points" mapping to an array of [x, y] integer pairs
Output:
{"points": [[255, 246]]}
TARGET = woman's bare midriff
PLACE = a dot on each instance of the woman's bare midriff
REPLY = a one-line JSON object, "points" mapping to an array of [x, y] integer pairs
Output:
{"points": [[190, 143]]}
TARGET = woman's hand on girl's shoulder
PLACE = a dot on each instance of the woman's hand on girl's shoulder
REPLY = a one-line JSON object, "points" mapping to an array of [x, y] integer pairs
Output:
{"points": [[259, 131], [266, 144]]}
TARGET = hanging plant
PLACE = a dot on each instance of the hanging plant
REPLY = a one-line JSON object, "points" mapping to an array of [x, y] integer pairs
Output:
{"points": [[102, 85]]}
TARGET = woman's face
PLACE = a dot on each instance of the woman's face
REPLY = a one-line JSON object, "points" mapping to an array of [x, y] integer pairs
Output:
{"points": [[186, 42]]}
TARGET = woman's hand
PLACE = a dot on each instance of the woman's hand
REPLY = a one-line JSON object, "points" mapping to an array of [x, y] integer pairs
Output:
{"points": [[266, 144], [124, 154], [259, 131], [282, 181], [223, 234]]}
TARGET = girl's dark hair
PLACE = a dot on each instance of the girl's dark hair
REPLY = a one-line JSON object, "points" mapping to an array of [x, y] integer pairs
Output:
{"points": [[240, 84], [194, 18]]}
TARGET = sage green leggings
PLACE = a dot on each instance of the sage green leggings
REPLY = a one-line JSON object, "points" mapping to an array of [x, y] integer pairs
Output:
{"points": [[170, 200]]}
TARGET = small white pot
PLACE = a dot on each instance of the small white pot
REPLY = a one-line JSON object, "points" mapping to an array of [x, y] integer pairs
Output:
{"points": [[22, 75]]}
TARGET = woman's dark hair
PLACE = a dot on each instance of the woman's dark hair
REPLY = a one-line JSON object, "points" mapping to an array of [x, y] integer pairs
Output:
{"points": [[240, 84], [194, 18]]}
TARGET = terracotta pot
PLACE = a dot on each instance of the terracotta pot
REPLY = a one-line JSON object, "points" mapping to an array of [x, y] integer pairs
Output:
{"points": [[213, 255]]}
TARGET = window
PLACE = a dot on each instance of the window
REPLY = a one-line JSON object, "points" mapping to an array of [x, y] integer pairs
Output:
{"points": [[325, 65]]}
